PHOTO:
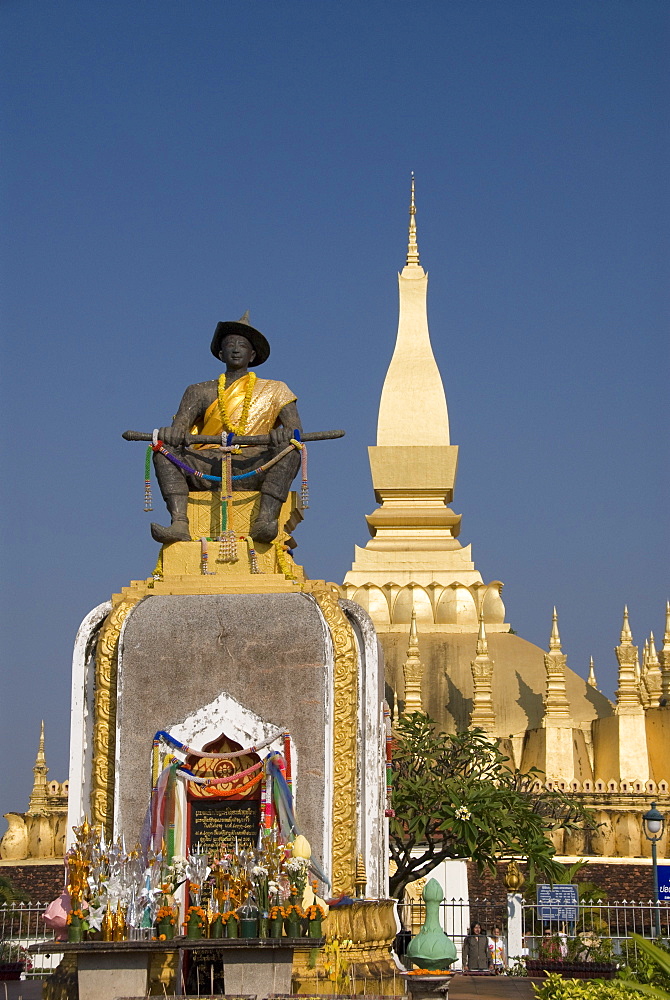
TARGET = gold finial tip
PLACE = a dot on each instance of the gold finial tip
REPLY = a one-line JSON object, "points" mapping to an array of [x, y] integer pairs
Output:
{"points": [[412, 247], [555, 639]]}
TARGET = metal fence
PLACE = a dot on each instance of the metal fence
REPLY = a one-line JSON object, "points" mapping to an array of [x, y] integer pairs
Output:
{"points": [[599, 925], [21, 925], [601, 928]]}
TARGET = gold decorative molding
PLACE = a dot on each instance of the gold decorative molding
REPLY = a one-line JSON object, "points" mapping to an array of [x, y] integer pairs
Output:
{"points": [[345, 716], [106, 663]]}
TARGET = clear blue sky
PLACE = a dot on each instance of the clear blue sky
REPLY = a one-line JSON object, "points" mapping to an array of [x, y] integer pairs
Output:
{"points": [[170, 164]]}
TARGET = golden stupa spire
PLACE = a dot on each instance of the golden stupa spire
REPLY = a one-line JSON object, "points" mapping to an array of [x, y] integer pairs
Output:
{"points": [[412, 246], [556, 704], [554, 638], [591, 679], [664, 657], [38, 797], [482, 641], [413, 671], [628, 700], [483, 713], [653, 676]]}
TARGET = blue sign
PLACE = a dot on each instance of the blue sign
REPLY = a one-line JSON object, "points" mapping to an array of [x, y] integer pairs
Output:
{"points": [[664, 881], [558, 902]]}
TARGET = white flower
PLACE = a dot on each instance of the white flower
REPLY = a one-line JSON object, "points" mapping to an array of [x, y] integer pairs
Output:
{"points": [[259, 872], [297, 865], [463, 813]]}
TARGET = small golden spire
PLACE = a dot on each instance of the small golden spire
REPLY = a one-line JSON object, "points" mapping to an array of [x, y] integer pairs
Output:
{"points": [[591, 679], [555, 639], [361, 879], [626, 634], [413, 644], [664, 658], [413, 671], [38, 797], [482, 643], [412, 246], [628, 695], [483, 714]]}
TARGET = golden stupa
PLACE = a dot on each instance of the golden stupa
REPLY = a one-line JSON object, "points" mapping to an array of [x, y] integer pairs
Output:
{"points": [[447, 647]]}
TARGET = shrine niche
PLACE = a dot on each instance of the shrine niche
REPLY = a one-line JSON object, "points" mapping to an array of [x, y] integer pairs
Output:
{"points": [[224, 814]]}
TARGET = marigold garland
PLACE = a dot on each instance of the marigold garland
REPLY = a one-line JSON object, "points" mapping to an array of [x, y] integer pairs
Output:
{"points": [[228, 425]]}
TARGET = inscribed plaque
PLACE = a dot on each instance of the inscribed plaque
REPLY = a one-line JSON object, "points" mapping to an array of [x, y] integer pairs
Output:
{"points": [[215, 823]]}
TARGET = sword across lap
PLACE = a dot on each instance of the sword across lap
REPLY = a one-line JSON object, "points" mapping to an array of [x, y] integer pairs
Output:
{"points": [[242, 440]]}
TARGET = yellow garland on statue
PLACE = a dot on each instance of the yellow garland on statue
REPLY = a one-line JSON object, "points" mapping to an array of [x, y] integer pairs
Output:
{"points": [[282, 560], [228, 425]]}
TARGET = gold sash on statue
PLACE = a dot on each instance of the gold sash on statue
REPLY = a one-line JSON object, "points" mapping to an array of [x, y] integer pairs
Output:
{"points": [[267, 399]]}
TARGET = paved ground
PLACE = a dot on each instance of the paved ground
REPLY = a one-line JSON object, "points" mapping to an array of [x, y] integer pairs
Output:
{"points": [[491, 988], [26, 989]]}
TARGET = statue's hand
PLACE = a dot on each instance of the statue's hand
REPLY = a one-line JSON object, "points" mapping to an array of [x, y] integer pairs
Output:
{"points": [[172, 436], [280, 437]]}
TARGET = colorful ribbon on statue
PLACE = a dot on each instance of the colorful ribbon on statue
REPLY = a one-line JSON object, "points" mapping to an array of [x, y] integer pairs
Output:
{"points": [[162, 823]]}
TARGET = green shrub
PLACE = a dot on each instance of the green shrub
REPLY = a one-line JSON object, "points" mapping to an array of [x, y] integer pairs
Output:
{"points": [[647, 969], [557, 988]]}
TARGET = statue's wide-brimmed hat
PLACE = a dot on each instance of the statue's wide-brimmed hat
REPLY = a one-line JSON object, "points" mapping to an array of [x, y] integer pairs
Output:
{"points": [[243, 327]]}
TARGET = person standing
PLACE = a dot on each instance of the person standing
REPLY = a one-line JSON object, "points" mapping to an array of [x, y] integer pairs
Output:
{"points": [[497, 950], [476, 957]]}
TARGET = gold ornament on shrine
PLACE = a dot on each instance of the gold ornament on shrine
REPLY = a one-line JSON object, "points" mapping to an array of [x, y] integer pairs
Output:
{"points": [[513, 877]]}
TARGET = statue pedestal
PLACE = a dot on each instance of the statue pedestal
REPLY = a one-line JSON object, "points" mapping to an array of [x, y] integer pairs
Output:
{"points": [[211, 651]]}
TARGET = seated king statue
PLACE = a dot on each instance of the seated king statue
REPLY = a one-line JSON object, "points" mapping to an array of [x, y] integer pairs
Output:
{"points": [[239, 403]]}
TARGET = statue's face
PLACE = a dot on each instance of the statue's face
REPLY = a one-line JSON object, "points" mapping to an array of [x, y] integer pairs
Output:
{"points": [[236, 351]]}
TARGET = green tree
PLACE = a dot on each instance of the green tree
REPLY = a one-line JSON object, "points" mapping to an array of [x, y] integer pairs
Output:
{"points": [[8, 894], [457, 796]]}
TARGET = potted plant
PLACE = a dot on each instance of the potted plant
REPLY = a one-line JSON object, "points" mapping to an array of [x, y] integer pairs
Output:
{"points": [[314, 915], [165, 923], [195, 922], [586, 956], [13, 960], [230, 923], [293, 916], [276, 922]]}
